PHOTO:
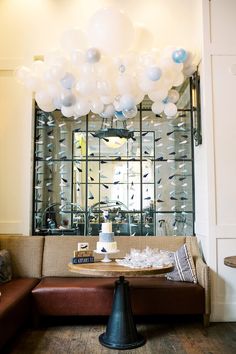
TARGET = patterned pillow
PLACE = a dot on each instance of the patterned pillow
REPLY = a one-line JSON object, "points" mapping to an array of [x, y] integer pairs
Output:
{"points": [[5, 266], [184, 269]]}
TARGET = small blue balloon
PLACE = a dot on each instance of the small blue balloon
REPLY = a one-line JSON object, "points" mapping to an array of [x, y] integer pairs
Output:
{"points": [[119, 115], [179, 56]]}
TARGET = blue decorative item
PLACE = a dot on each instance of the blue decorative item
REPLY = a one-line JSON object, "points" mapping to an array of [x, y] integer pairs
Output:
{"points": [[179, 56]]}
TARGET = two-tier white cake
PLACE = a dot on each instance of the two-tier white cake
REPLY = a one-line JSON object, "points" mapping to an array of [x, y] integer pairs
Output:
{"points": [[106, 241]]}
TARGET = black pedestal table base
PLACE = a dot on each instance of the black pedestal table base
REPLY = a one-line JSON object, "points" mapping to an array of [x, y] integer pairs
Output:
{"points": [[121, 331]]}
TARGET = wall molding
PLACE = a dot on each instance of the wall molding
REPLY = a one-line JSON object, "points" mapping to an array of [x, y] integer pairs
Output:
{"points": [[225, 231], [9, 64]]}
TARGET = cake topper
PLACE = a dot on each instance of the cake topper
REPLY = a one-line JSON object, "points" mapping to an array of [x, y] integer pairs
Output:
{"points": [[106, 215]]}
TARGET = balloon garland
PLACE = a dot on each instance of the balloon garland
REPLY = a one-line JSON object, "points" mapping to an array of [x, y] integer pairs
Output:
{"points": [[102, 72]]}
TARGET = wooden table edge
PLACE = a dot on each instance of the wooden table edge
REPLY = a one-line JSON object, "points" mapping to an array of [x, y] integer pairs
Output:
{"points": [[113, 269]]}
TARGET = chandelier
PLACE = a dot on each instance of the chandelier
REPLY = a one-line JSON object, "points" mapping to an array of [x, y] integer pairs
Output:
{"points": [[113, 136]]}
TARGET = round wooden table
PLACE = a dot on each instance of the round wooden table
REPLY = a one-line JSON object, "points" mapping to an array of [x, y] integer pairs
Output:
{"points": [[121, 331], [230, 261]]}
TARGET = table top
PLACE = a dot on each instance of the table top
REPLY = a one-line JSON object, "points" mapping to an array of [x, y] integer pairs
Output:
{"points": [[230, 261], [113, 269]]}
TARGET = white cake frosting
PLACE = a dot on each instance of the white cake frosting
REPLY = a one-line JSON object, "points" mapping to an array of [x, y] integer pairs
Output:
{"points": [[106, 241], [106, 246], [107, 227]]}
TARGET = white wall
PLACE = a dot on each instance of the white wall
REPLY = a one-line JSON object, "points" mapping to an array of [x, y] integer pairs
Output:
{"points": [[216, 157], [29, 28]]}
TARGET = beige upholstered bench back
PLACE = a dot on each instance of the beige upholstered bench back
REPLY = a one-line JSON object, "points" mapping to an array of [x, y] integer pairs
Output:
{"points": [[26, 254], [58, 251]]}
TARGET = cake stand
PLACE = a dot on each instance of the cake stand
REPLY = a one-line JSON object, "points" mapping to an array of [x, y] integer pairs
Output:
{"points": [[106, 258]]}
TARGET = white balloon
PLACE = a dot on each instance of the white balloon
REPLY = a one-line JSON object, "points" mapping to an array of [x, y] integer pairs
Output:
{"points": [[189, 70], [38, 67], [55, 72], [157, 107], [53, 90], [146, 85], [173, 96], [73, 39], [170, 109], [42, 97], [86, 86], [44, 101], [117, 104], [77, 57], [57, 102], [139, 97], [127, 102], [154, 73], [158, 95], [111, 31], [67, 111], [82, 107], [148, 59], [179, 79], [143, 39], [33, 82], [130, 113], [107, 99], [125, 84], [108, 111], [22, 73], [49, 107], [96, 106], [103, 87]]}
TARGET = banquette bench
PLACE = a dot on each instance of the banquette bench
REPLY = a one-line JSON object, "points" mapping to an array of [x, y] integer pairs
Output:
{"points": [[42, 284]]}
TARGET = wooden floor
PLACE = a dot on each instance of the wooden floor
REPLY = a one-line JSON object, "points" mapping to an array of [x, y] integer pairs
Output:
{"points": [[163, 337]]}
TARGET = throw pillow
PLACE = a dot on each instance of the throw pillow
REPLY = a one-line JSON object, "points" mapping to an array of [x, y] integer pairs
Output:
{"points": [[184, 269], [5, 266]]}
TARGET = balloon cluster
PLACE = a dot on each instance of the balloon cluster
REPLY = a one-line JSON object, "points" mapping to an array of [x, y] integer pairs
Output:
{"points": [[104, 73]]}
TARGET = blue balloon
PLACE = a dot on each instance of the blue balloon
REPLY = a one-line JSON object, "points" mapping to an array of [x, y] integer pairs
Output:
{"points": [[179, 56], [119, 115]]}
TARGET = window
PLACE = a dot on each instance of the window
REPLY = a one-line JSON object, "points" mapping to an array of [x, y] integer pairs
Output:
{"points": [[146, 181]]}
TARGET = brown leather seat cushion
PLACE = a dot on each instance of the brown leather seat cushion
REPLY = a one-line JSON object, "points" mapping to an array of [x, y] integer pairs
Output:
{"points": [[93, 296], [14, 305]]}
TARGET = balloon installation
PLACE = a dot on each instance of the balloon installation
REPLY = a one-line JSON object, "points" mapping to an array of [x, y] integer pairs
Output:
{"points": [[108, 71]]}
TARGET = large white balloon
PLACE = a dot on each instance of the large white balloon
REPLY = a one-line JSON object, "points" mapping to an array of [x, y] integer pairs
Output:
{"points": [[143, 39], [111, 31], [82, 107]]}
